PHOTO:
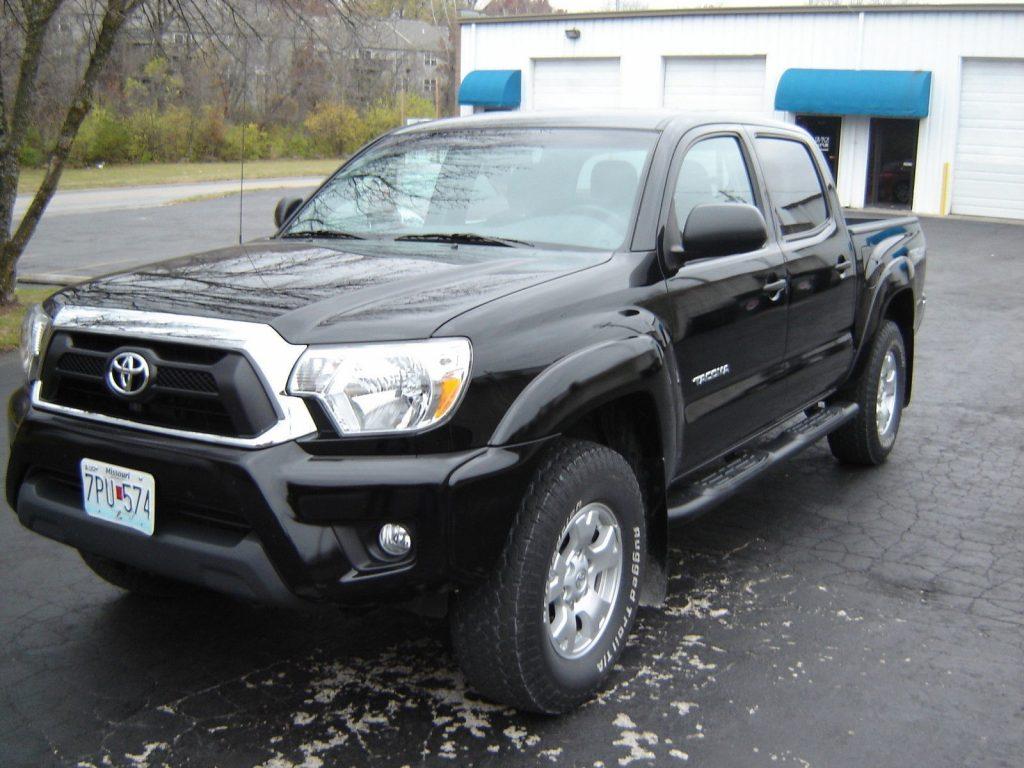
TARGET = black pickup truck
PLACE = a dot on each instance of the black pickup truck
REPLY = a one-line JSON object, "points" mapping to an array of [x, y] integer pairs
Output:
{"points": [[479, 371]]}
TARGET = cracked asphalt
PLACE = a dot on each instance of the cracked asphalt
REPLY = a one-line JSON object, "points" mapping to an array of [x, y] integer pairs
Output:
{"points": [[824, 617]]}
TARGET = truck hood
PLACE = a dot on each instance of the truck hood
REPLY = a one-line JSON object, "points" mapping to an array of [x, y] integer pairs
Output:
{"points": [[326, 292]]}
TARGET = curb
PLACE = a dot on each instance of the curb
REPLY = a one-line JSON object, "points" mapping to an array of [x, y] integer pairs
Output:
{"points": [[51, 278]]}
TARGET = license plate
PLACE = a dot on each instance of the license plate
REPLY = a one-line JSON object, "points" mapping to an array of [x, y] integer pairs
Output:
{"points": [[119, 495]]}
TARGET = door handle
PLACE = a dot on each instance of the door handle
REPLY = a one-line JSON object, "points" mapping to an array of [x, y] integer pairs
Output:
{"points": [[775, 289], [845, 267]]}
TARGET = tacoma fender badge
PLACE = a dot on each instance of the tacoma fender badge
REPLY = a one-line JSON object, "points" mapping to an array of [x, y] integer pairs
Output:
{"points": [[715, 373]]}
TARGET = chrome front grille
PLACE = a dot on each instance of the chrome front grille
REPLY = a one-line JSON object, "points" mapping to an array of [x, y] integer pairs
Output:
{"points": [[220, 381], [192, 388]]}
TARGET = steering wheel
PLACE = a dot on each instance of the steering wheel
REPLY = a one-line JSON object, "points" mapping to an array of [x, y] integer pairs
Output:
{"points": [[594, 212]]}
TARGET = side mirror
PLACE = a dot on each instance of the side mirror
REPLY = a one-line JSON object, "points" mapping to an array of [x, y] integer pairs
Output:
{"points": [[723, 229], [286, 206]]}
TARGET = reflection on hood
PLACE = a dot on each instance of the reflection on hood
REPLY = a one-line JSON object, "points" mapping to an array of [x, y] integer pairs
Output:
{"points": [[372, 290]]}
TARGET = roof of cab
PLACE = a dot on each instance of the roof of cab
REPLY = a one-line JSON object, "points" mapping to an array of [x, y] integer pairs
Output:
{"points": [[651, 120]]}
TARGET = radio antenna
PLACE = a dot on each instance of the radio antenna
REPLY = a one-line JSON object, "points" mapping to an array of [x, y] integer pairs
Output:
{"points": [[241, 163], [241, 183]]}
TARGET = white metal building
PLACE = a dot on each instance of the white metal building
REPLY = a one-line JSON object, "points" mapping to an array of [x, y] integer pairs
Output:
{"points": [[915, 105]]}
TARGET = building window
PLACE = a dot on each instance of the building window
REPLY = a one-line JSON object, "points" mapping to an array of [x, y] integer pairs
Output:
{"points": [[430, 59], [825, 131], [429, 84]]}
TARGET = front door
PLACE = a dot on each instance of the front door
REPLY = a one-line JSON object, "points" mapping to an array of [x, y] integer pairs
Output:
{"points": [[821, 263], [729, 313]]}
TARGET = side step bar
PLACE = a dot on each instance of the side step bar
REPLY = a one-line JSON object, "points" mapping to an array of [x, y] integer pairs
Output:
{"points": [[699, 496]]}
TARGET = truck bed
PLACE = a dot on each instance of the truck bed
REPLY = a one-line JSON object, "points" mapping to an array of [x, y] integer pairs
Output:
{"points": [[875, 236]]}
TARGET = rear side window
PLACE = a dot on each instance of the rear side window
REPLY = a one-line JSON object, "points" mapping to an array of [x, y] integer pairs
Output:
{"points": [[713, 171], [794, 185]]}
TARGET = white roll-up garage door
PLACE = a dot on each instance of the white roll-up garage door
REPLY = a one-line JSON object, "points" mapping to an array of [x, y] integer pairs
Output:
{"points": [[575, 83], [715, 83], [988, 175]]}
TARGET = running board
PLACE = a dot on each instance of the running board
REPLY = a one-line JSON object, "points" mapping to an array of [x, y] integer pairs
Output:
{"points": [[699, 496]]}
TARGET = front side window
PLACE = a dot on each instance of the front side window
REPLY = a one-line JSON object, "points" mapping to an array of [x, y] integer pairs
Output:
{"points": [[574, 188], [793, 183], [713, 171]]}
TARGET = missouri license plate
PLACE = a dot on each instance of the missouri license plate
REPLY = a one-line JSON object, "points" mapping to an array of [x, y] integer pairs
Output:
{"points": [[119, 495]]}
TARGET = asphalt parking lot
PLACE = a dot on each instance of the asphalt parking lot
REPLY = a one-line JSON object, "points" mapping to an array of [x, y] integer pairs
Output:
{"points": [[824, 617], [134, 235]]}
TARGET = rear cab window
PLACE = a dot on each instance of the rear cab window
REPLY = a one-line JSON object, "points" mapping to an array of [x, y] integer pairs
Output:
{"points": [[794, 185]]}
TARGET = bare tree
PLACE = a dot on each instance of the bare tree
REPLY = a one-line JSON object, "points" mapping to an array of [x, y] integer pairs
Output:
{"points": [[25, 34]]}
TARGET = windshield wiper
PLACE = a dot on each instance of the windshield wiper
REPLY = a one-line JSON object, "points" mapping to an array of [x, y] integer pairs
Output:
{"points": [[325, 234], [469, 238]]}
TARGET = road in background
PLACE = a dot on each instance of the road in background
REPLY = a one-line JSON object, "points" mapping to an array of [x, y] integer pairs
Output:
{"points": [[81, 201], [88, 238], [826, 616]]}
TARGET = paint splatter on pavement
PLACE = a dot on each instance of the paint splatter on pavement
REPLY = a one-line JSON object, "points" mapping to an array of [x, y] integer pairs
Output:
{"points": [[825, 617]]}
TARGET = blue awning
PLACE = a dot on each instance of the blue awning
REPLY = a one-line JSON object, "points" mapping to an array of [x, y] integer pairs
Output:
{"points": [[874, 92], [492, 88]]}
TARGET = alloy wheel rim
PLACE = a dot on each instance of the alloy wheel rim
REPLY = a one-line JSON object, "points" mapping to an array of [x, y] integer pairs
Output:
{"points": [[886, 400], [582, 583]]}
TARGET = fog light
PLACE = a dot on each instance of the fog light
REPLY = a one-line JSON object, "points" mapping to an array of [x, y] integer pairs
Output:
{"points": [[395, 539]]}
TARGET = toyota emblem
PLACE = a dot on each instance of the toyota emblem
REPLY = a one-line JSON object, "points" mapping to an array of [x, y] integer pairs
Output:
{"points": [[128, 373]]}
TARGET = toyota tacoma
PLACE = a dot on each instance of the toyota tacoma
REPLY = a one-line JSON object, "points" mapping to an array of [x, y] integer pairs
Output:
{"points": [[479, 371]]}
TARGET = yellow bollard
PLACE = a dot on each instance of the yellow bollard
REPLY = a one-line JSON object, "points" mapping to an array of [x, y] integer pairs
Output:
{"points": [[944, 203]]}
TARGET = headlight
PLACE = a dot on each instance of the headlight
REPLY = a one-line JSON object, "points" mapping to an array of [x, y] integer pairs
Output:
{"points": [[390, 387], [33, 331]]}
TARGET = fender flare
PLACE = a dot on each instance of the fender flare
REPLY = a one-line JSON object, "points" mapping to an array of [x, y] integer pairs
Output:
{"points": [[588, 378], [895, 277], [582, 381]]}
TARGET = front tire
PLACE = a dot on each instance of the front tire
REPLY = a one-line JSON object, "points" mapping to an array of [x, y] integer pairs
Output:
{"points": [[544, 630], [879, 390]]}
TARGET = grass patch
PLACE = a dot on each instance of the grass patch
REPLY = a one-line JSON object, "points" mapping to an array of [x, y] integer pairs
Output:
{"points": [[175, 173], [10, 317]]}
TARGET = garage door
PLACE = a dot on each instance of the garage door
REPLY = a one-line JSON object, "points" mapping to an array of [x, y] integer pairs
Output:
{"points": [[715, 83], [575, 83], [988, 175]]}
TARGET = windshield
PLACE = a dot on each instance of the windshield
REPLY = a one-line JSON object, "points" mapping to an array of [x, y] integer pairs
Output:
{"points": [[553, 187]]}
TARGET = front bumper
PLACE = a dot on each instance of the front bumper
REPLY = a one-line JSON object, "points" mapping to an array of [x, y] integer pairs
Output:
{"points": [[276, 524]]}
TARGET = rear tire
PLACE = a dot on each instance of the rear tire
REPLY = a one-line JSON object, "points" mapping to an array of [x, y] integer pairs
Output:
{"points": [[879, 390], [544, 630], [131, 579]]}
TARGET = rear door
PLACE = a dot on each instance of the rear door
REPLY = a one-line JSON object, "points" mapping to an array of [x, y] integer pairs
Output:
{"points": [[729, 316], [821, 262]]}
